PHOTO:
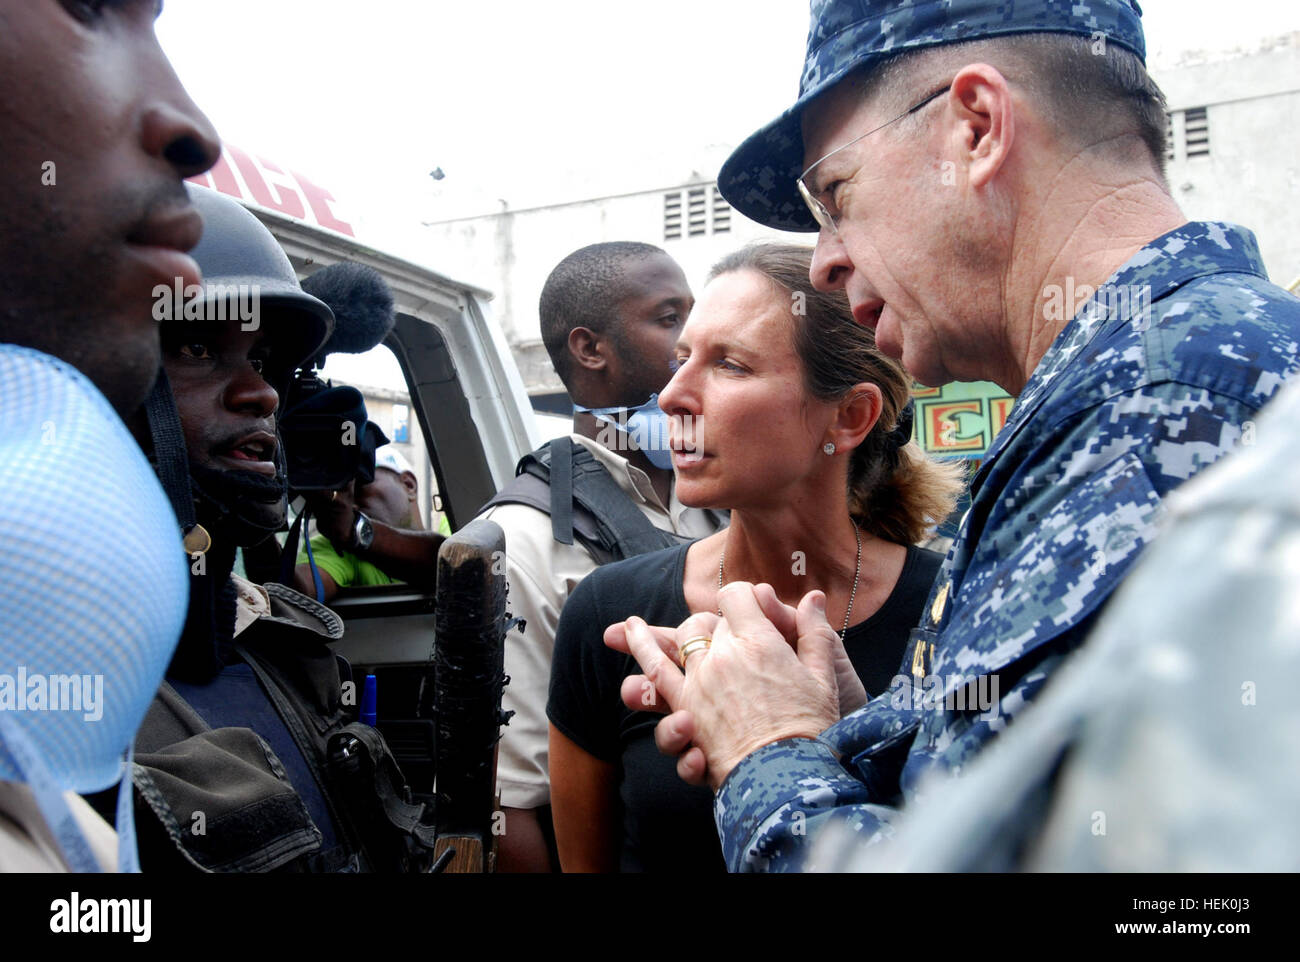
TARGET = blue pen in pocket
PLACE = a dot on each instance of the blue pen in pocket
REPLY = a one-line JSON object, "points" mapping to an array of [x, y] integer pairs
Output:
{"points": [[370, 701]]}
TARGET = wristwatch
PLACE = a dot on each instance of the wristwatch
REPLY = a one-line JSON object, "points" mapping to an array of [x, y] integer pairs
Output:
{"points": [[363, 533]]}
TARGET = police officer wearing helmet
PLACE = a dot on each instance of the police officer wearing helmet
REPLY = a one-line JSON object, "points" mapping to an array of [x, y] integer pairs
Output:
{"points": [[237, 746], [229, 351]]}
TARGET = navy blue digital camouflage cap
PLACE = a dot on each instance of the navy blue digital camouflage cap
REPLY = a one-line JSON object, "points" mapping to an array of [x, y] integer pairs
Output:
{"points": [[758, 179]]}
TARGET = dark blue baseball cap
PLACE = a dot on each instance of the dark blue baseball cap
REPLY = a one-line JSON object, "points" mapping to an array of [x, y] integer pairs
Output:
{"points": [[758, 179]]}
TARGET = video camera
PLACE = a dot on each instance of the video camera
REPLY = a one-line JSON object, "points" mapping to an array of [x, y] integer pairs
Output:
{"points": [[328, 437]]}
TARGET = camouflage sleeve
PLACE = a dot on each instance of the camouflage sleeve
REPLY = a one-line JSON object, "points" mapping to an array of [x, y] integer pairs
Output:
{"points": [[768, 803], [837, 789]]}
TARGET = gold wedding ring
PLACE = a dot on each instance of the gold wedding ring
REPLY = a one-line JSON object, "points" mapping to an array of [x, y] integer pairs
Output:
{"points": [[691, 646]]}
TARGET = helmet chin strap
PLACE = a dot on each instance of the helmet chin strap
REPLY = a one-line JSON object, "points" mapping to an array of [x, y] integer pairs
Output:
{"points": [[230, 501], [171, 463]]}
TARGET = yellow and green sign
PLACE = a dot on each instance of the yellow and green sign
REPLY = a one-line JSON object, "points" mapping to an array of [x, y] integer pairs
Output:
{"points": [[959, 420]]}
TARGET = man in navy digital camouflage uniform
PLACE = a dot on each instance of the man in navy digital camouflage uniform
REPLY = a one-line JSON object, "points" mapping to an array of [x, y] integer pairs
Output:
{"points": [[987, 178], [1177, 720]]}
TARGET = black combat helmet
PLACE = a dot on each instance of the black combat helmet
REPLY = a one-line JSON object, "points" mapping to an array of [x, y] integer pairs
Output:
{"points": [[241, 260]]}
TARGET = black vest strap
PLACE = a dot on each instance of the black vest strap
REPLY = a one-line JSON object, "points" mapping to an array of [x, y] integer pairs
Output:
{"points": [[561, 480], [600, 516]]}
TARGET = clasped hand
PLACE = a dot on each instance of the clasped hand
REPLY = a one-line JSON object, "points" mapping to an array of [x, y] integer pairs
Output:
{"points": [[772, 672]]}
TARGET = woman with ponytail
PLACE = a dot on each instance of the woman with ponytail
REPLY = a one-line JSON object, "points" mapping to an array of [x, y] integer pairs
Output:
{"points": [[783, 411]]}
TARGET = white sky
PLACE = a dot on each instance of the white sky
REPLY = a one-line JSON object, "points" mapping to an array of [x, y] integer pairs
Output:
{"points": [[526, 101]]}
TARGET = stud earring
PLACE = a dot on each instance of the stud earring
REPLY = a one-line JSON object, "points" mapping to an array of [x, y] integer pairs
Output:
{"points": [[829, 447]]}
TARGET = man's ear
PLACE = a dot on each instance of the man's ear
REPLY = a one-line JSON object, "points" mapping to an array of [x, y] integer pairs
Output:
{"points": [[411, 485], [586, 347], [985, 121], [856, 416]]}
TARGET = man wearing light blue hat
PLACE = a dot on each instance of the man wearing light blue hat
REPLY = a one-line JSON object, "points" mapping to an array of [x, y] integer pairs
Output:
{"points": [[987, 182]]}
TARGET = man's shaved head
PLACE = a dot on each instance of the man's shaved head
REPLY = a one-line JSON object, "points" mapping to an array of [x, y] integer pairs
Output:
{"points": [[584, 290]]}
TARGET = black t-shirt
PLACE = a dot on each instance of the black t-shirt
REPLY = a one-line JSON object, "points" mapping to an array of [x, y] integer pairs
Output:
{"points": [[667, 824]]}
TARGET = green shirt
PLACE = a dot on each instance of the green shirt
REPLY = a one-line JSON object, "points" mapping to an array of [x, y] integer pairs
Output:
{"points": [[347, 570]]}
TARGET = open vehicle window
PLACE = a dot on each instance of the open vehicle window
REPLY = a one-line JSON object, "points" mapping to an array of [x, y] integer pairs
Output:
{"points": [[379, 377]]}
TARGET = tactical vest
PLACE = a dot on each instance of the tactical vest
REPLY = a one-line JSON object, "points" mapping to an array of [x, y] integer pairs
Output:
{"points": [[218, 800], [585, 503]]}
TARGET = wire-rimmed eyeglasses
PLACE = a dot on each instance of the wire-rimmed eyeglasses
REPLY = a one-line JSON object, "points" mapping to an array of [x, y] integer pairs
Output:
{"points": [[820, 214]]}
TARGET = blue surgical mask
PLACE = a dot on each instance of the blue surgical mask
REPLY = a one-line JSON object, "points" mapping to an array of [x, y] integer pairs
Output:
{"points": [[646, 425], [93, 593]]}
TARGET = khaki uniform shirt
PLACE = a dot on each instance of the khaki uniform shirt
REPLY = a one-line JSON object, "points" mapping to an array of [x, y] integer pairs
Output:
{"points": [[28, 845], [251, 603], [541, 573]]}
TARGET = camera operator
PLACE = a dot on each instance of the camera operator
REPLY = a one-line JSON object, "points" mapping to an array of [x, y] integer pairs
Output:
{"points": [[371, 534]]}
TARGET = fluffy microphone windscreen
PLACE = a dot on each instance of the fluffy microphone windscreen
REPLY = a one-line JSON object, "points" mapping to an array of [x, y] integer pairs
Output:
{"points": [[362, 304]]}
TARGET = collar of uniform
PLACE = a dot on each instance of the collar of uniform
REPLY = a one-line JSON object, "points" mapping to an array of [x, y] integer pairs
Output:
{"points": [[251, 602], [1196, 249], [634, 482]]}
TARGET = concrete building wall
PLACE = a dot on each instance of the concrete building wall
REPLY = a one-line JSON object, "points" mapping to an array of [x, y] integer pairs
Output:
{"points": [[513, 252], [1251, 175]]}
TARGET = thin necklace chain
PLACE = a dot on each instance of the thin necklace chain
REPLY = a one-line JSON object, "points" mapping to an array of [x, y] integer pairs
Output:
{"points": [[857, 570]]}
